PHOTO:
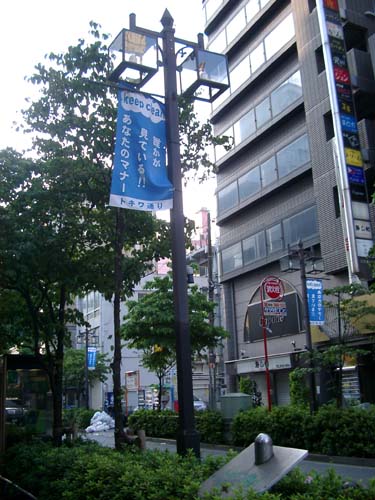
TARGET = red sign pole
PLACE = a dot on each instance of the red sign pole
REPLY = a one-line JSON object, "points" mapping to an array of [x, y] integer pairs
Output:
{"points": [[273, 287], [268, 380]]}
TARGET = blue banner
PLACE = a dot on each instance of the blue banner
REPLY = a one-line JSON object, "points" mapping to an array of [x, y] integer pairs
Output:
{"points": [[315, 301], [91, 358], [139, 178]]}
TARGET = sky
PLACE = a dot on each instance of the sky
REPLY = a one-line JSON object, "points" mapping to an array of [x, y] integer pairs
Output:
{"points": [[30, 29]]}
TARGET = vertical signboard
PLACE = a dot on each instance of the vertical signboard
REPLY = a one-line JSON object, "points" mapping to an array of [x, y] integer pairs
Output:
{"points": [[314, 288], [139, 178], [350, 164], [91, 358]]}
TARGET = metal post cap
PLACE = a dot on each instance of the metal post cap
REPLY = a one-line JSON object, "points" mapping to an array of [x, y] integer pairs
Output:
{"points": [[263, 448]]}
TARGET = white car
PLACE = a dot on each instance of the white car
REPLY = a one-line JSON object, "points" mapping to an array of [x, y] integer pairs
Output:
{"points": [[199, 404]]}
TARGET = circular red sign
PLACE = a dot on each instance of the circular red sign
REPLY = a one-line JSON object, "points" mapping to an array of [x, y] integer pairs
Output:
{"points": [[273, 288]]}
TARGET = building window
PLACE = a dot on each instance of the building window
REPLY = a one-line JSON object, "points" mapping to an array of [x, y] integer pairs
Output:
{"points": [[301, 226], [279, 36], [254, 248], [235, 26], [249, 184], [263, 112], [231, 258], [245, 127], [257, 58], [336, 201], [293, 156], [240, 74], [274, 238], [228, 197], [319, 58], [290, 158], [211, 7], [252, 9], [328, 126], [286, 94], [268, 171]]}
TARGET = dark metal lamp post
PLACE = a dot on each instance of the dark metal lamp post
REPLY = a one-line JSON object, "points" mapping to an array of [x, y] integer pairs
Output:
{"points": [[298, 260], [135, 52]]}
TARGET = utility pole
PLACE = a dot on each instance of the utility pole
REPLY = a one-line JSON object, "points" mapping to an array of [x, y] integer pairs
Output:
{"points": [[211, 288]]}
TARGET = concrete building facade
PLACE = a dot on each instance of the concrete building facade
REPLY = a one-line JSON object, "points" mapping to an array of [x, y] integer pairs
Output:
{"points": [[279, 184]]}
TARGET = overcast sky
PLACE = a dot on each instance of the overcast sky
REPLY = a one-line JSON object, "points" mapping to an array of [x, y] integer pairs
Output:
{"points": [[29, 29]]}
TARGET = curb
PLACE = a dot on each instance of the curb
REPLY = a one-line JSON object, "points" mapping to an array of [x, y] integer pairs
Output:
{"points": [[312, 457]]}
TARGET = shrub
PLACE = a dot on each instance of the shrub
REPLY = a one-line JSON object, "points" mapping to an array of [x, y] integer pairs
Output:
{"points": [[210, 425], [248, 424], [155, 423], [86, 470], [164, 424], [80, 417], [331, 431]]}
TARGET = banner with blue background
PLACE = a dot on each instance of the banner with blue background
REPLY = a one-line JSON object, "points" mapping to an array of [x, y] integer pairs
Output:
{"points": [[139, 177], [314, 289]]}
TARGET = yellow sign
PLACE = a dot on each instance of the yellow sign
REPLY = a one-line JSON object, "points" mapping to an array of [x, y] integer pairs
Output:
{"points": [[353, 157]]}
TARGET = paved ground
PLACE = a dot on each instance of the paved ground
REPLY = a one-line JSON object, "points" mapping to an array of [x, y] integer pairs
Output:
{"points": [[357, 470]]}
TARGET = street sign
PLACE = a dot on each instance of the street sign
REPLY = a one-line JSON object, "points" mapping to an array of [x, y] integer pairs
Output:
{"points": [[273, 288], [275, 308], [314, 288]]}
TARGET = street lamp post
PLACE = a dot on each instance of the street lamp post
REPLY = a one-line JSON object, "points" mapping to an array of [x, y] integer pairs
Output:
{"points": [[203, 76], [299, 254]]}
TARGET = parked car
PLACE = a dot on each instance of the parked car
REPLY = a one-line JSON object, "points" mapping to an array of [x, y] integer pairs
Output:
{"points": [[199, 404], [14, 411]]}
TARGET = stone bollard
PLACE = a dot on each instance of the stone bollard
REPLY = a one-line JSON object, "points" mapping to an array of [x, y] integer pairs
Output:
{"points": [[142, 439], [263, 449]]}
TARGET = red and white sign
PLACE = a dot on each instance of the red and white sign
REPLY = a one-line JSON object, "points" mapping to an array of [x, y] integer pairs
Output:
{"points": [[273, 287]]}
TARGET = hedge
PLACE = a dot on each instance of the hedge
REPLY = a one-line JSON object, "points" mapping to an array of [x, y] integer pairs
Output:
{"points": [[87, 471], [331, 431], [164, 424]]}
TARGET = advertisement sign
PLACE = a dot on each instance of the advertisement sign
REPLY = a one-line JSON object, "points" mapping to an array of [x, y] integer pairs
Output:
{"points": [[315, 301], [91, 358], [273, 288], [139, 178]]}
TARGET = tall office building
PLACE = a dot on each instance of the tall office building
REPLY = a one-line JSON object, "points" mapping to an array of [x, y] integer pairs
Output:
{"points": [[300, 111]]}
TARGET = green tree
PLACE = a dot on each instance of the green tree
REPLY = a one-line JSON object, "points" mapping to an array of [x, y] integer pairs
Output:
{"points": [[74, 375], [150, 326], [68, 241]]}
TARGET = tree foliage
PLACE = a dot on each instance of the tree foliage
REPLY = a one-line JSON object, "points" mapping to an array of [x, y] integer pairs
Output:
{"points": [[150, 325], [74, 371], [58, 237]]}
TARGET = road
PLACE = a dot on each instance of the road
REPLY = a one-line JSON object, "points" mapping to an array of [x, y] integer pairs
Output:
{"points": [[350, 471]]}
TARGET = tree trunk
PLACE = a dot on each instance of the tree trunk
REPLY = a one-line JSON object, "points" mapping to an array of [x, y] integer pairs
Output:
{"points": [[57, 370]]}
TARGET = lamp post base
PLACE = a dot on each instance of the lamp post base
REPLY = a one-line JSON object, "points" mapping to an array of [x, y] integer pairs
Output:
{"points": [[188, 440]]}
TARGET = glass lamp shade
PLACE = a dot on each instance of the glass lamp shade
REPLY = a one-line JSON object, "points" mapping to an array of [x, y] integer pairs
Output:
{"points": [[204, 75], [134, 56], [289, 263]]}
